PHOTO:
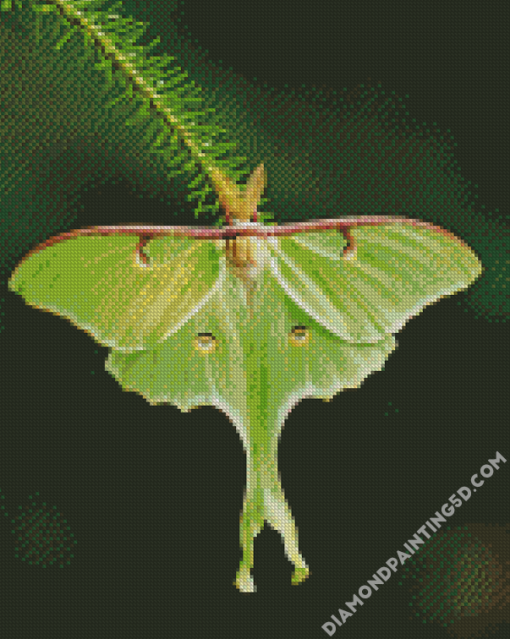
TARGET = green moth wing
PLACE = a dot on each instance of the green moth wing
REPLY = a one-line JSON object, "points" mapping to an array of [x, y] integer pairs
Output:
{"points": [[103, 286], [392, 272]]}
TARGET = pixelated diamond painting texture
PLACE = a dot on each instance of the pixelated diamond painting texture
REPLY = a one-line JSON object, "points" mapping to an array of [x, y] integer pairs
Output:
{"points": [[254, 116]]}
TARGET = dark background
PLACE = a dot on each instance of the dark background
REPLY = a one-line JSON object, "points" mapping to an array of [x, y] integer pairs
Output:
{"points": [[153, 496]]}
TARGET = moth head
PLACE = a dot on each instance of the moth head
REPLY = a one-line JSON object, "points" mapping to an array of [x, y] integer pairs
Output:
{"points": [[240, 204]]}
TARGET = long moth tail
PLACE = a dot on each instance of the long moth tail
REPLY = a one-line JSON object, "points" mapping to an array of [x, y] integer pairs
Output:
{"points": [[264, 500]]}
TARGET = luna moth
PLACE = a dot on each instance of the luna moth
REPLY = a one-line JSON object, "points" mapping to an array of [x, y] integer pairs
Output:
{"points": [[249, 318]]}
